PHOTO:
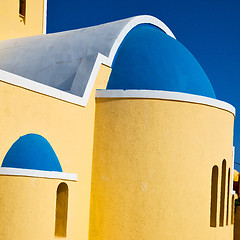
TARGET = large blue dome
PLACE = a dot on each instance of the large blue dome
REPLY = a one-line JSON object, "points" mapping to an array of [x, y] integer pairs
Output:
{"points": [[32, 151], [150, 59]]}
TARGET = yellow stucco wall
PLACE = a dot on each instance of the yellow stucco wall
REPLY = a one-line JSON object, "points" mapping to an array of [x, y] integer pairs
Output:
{"points": [[28, 207], [69, 129], [152, 169], [235, 175], [13, 26]]}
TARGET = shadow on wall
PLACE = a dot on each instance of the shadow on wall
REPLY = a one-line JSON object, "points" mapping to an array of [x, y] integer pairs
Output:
{"points": [[61, 210], [224, 196]]}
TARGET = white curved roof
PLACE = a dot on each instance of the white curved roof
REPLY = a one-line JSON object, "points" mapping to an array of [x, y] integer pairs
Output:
{"points": [[68, 61]]}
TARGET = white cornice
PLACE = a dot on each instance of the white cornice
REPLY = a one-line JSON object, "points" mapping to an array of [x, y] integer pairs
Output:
{"points": [[37, 173], [44, 16], [100, 59], [165, 95]]}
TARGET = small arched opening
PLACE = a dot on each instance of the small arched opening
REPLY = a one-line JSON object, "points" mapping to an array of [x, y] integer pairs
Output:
{"points": [[61, 210], [214, 191], [223, 194], [228, 192]]}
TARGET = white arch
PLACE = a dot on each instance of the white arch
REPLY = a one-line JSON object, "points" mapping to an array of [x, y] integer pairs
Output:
{"points": [[107, 60], [145, 19], [95, 63], [101, 59]]}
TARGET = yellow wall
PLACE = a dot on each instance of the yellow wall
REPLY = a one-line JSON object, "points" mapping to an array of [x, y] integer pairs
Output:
{"points": [[152, 169], [139, 146], [13, 26], [28, 207], [235, 175], [68, 128]]}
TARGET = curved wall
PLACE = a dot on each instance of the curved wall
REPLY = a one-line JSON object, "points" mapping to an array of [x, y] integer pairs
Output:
{"points": [[69, 128], [152, 169], [28, 207]]}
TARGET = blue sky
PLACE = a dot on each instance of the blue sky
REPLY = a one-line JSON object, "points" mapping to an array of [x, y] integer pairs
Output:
{"points": [[210, 29]]}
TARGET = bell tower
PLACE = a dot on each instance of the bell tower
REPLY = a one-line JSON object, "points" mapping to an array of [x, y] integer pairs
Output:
{"points": [[22, 18]]}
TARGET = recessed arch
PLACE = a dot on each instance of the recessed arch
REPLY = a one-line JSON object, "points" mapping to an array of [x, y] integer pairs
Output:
{"points": [[223, 194], [61, 210], [214, 196], [228, 192]]}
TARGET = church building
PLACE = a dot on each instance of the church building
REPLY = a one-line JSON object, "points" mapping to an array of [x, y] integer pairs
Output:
{"points": [[111, 132]]}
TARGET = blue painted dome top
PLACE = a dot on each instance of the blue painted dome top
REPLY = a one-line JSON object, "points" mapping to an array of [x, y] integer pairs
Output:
{"points": [[32, 151], [150, 59]]}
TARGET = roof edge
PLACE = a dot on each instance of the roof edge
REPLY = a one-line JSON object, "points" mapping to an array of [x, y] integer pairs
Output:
{"points": [[166, 95], [102, 59], [142, 19], [17, 80]]}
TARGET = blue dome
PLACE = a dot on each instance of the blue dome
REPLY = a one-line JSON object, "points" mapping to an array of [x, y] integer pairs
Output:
{"points": [[32, 151], [150, 59]]}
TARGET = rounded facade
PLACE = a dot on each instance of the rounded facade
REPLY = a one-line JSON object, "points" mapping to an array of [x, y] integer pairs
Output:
{"points": [[28, 207], [152, 169]]}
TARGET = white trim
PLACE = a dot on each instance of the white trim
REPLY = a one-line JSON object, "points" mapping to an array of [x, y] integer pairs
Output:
{"points": [[155, 94], [19, 81], [101, 59], [133, 23], [45, 17], [38, 173]]}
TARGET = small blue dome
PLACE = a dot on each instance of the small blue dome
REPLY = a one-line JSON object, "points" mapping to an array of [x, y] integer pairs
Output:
{"points": [[32, 151], [150, 59]]}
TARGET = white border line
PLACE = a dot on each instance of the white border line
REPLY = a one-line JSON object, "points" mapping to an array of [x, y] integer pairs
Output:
{"points": [[38, 173], [101, 59], [44, 16], [144, 19], [166, 95], [19, 81]]}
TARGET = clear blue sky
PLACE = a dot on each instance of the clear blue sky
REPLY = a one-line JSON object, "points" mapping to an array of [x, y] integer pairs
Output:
{"points": [[210, 29]]}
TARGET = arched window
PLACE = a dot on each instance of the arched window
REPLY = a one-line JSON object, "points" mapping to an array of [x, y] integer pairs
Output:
{"points": [[223, 190], [214, 190], [61, 210], [228, 190]]}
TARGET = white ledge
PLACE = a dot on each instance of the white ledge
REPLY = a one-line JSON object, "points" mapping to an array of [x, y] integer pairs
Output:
{"points": [[17, 80], [37, 173], [166, 95]]}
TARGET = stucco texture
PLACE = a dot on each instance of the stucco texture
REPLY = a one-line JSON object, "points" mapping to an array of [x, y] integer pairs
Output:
{"points": [[152, 169], [69, 128], [28, 207]]}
